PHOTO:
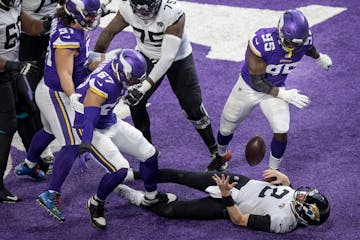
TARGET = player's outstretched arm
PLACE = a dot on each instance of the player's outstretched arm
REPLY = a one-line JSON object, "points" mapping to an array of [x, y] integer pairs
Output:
{"points": [[322, 59], [116, 25]]}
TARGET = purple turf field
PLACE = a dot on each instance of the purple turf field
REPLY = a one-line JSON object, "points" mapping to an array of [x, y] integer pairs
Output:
{"points": [[323, 145]]}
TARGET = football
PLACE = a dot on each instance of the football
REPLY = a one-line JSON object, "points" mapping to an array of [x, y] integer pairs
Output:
{"points": [[255, 150]]}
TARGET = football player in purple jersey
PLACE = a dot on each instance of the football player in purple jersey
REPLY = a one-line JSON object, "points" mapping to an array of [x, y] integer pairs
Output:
{"points": [[161, 37], [67, 65], [15, 93], [271, 55], [33, 48], [104, 136], [259, 205]]}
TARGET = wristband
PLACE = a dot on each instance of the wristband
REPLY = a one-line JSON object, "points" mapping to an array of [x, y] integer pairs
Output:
{"points": [[228, 201]]}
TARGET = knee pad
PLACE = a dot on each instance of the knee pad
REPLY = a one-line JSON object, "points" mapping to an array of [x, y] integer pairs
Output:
{"points": [[198, 116]]}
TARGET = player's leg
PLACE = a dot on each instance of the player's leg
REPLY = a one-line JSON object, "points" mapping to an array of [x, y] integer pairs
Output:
{"points": [[7, 130], [25, 108], [139, 114], [57, 110], [108, 156], [198, 209], [196, 180], [277, 112], [184, 83], [238, 106], [130, 140]]}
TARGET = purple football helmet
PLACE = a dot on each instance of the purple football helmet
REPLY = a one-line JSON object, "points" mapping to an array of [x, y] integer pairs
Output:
{"points": [[293, 30], [10, 3], [145, 9], [87, 13], [310, 206], [130, 67]]}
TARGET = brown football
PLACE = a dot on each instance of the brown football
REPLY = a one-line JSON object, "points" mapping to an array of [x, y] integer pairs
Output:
{"points": [[255, 150]]}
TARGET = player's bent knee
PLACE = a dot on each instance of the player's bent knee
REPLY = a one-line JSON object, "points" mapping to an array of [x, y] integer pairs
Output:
{"points": [[146, 150], [198, 116]]}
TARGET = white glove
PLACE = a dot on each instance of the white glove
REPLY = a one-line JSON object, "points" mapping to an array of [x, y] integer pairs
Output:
{"points": [[75, 104], [324, 61], [294, 97]]}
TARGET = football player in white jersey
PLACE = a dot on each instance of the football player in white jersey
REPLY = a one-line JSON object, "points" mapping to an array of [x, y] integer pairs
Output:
{"points": [[159, 29], [271, 55], [259, 205], [15, 94]]}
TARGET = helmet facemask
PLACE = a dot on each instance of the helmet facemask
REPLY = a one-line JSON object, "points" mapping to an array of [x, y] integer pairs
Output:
{"points": [[145, 9], [129, 67], [310, 206]]}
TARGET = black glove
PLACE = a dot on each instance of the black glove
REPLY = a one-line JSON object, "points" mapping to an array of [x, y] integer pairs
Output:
{"points": [[47, 22], [133, 98], [24, 68]]}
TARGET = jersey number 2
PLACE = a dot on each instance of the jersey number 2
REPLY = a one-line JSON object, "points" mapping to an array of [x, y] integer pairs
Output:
{"points": [[274, 192]]}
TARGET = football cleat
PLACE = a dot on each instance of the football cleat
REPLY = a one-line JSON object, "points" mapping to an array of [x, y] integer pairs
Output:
{"points": [[7, 197], [160, 197], [133, 196], [219, 163], [97, 212], [24, 169], [50, 201], [138, 198]]}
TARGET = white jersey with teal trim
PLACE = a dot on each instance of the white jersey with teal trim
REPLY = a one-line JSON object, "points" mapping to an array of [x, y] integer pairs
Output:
{"points": [[149, 34], [262, 198], [9, 33]]}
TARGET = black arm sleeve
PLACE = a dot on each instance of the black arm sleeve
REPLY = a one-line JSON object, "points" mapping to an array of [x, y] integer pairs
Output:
{"points": [[260, 83], [312, 52], [259, 223]]}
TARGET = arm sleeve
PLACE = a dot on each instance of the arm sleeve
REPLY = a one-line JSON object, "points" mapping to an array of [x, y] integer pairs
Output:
{"points": [[169, 49]]}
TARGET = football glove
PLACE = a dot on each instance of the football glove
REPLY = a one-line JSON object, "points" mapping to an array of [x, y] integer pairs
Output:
{"points": [[294, 97], [324, 61], [75, 104], [84, 156], [136, 94], [24, 68]]}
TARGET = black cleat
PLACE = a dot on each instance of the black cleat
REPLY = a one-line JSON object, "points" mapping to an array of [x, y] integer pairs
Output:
{"points": [[97, 212], [7, 197]]}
